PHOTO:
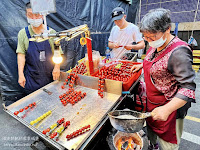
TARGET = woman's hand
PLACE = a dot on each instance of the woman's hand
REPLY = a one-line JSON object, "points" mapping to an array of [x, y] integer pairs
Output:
{"points": [[161, 113], [136, 68]]}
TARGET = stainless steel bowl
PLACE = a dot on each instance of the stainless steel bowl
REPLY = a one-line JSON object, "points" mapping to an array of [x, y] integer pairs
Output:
{"points": [[130, 125]]}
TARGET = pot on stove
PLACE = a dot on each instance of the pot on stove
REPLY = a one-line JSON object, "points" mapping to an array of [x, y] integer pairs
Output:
{"points": [[127, 120]]}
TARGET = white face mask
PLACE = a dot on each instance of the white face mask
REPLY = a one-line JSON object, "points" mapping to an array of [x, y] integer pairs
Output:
{"points": [[35, 22], [158, 43]]}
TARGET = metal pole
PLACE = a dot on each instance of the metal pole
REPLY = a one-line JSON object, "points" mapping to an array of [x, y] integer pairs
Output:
{"points": [[139, 11], [195, 16]]}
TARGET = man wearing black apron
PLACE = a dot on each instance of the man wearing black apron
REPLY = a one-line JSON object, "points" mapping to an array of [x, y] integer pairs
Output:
{"points": [[35, 65]]}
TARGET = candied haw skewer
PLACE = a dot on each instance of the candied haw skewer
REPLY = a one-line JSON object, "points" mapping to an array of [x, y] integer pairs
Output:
{"points": [[78, 132], [101, 84], [25, 108], [55, 135], [53, 126]]}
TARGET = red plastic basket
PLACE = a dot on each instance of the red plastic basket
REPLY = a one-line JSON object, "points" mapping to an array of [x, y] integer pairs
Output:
{"points": [[126, 85]]}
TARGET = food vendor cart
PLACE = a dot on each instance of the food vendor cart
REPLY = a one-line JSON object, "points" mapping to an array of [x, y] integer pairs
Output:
{"points": [[91, 110]]}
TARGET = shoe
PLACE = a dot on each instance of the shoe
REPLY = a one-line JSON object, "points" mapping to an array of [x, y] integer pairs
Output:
{"points": [[153, 147]]}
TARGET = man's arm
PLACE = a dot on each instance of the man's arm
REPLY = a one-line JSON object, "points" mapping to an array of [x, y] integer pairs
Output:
{"points": [[21, 63], [138, 46]]}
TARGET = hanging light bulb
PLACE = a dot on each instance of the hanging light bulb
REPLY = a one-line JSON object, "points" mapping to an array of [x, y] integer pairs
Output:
{"points": [[57, 58]]}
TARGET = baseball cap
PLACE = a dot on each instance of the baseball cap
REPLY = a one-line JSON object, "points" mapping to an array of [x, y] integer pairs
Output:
{"points": [[117, 13]]}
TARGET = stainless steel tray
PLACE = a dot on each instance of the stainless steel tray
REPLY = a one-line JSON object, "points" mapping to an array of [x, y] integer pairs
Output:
{"points": [[89, 111]]}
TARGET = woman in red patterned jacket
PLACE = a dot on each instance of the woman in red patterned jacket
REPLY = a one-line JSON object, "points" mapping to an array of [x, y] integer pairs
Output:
{"points": [[169, 79]]}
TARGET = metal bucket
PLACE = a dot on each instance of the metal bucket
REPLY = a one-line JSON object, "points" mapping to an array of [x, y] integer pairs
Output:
{"points": [[132, 121]]}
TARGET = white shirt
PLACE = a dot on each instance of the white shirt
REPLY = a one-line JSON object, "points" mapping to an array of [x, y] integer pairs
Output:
{"points": [[124, 37]]}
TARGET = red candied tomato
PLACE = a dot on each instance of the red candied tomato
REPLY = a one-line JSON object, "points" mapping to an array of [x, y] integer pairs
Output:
{"points": [[21, 110], [64, 102], [62, 86], [65, 124], [34, 103], [76, 100], [125, 79], [68, 136], [70, 90], [84, 94], [53, 135], [64, 83], [101, 95], [26, 107], [76, 76], [79, 92], [45, 131], [68, 122], [62, 119], [16, 113], [102, 81], [30, 105]]}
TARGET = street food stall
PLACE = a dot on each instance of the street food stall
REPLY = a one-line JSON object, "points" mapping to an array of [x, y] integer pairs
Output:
{"points": [[72, 112], [69, 113]]}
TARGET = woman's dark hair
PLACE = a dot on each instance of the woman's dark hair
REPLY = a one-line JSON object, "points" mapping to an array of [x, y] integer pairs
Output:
{"points": [[156, 20]]}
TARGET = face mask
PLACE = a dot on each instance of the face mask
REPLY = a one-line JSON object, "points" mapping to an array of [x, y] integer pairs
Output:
{"points": [[35, 22], [158, 43]]}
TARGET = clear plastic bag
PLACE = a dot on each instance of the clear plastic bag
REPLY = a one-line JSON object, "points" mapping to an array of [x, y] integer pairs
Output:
{"points": [[96, 58]]}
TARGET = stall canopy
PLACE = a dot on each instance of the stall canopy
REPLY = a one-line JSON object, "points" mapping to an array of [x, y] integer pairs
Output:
{"points": [[70, 13]]}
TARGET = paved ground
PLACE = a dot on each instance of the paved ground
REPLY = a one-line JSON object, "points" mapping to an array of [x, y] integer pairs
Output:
{"points": [[15, 136]]}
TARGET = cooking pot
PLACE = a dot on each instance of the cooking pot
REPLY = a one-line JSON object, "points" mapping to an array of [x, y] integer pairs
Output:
{"points": [[127, 120]]}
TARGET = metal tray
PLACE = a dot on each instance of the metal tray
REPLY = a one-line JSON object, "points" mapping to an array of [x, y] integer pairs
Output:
{"points": [[91, 110]]}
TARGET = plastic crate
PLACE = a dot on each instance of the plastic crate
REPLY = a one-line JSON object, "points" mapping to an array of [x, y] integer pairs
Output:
{"points": [[130, 56], [126, 85]]}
